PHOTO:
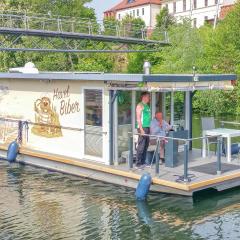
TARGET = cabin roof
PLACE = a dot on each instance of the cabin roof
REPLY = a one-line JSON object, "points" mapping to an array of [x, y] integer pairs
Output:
{"points": [[113, 77]]}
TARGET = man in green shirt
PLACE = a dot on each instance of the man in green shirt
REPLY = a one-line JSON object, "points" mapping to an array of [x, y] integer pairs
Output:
{"points": [[143, 115]]}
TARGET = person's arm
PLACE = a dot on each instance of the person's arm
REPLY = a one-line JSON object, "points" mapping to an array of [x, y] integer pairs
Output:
{"points": [[139, 110], [168, 126]]}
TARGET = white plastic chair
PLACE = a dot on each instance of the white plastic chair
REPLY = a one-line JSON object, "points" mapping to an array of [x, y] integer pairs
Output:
{"points": [[208, 123]]}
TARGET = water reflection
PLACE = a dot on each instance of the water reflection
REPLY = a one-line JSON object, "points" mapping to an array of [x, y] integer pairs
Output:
{"points": [[38, 204]]}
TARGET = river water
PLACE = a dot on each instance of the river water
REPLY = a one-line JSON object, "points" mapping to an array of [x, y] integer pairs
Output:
{"points": [[40, 204]]}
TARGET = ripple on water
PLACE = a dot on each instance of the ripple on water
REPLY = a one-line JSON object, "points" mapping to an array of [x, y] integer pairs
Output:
{"points": [[41, 204]]}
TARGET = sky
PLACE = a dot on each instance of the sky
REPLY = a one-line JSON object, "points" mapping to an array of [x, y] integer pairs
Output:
{"points": [[101, 5]]}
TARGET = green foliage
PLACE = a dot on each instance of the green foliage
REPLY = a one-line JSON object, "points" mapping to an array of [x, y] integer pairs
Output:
{"points": [[164, 19], [51, 61], [209, 50]]}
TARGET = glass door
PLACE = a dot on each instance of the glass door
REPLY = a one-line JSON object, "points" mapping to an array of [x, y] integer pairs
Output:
{"points": [[93, 106]]}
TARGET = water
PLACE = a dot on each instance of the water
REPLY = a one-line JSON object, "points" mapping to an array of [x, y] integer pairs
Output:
{"points": [[40, 204]]}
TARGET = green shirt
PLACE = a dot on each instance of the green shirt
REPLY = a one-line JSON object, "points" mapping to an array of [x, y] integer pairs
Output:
{"points": [[145, 116]]}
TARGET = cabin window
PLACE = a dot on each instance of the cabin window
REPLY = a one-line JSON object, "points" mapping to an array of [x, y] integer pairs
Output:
{"points": [[143, 11], [93, 122], [137, 12]]}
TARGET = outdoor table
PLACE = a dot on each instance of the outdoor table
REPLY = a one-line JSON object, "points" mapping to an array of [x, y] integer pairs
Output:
{"points": [[225, 133]]}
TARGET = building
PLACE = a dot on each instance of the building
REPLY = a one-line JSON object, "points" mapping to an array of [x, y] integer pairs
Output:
{"points": [[226, 8], [200, 11], [144, 9]]}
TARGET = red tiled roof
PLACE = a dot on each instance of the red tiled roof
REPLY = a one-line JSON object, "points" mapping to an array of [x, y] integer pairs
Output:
{"points": [[225, 10], [125, 4]]}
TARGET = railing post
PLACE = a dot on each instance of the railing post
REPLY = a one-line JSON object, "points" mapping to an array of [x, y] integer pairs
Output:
{"points": [[20, 132], [219, 153], [186, 151], [157, 158], [73, 27], [59, 25], [142, 30], [130, 155], [89, 27]]}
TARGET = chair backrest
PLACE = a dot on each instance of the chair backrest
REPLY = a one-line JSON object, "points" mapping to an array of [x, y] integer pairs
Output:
{"points": [[208, 123]]}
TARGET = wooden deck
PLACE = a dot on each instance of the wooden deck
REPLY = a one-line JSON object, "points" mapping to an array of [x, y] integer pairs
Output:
{"points": [[203, 171]]}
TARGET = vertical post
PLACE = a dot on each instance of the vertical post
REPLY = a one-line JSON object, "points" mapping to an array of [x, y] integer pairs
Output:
{"points": [[111, 110], [153, 104], [219, 152], [72, 26], [185, 162], [164, 104], [133, 110], [59, 24], [172, 108], [20, 132], [115, 128], [130, 146], [216, 15], [157, 157]]}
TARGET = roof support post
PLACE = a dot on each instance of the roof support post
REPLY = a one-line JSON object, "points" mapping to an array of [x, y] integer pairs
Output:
{"points": [[112, 98], [188, 115], [172, 108], [115, 129]]}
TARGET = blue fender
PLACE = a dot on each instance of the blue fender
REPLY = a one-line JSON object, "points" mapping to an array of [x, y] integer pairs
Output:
{"points": [[143, 187], [12, 151]]}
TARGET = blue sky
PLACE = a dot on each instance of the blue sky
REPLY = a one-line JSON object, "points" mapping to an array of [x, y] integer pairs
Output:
{"points": [[101, 5]]}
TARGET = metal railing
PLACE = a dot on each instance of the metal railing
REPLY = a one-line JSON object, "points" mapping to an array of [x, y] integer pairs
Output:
{"points": [[186, 177], [23, 125], [61, 24], [227, 122]]}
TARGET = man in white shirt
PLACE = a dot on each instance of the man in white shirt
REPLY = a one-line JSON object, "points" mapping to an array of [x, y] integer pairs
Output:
{"points": [[160, 127]]}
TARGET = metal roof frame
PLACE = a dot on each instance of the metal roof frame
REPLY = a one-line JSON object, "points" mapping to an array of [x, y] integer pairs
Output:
{"points": [[128, 78]]}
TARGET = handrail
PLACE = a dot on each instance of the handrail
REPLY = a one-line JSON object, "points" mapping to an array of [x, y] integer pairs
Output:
{"points": [[71, 25], [41, 124], [233, 123], [177, 139], [51, 125], [186, 177]]}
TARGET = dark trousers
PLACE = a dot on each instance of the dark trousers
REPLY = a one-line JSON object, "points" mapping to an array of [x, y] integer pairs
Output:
{"points": [[143, 143]]}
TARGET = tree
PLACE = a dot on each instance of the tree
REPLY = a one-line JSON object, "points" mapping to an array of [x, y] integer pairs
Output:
{"points": [[164, 19]]}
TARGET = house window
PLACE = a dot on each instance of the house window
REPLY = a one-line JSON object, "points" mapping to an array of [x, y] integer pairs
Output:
{"points": [[166, 6], [134, 13], [119, 16], [194, 22], [206, 3], [216, 1], [137, 12], [194, 4], [143, 11], [174, 7], [184, 5]]}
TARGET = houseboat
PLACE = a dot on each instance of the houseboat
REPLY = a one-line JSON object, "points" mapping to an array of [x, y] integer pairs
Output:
{"points": [[80, 123]]}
